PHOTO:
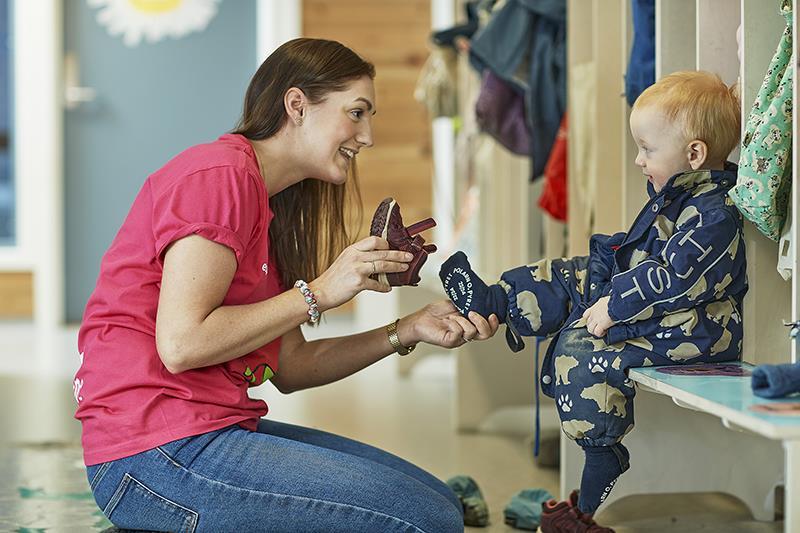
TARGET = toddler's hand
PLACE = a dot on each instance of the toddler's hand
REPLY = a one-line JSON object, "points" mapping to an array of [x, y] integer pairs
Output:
{"points": [[597, 319]]}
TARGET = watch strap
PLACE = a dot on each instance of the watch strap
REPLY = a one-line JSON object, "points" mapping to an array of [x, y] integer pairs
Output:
{"points": [[394, 340]]}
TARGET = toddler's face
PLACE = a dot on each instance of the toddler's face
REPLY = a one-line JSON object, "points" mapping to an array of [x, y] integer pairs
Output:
{"points": [[663, 148]]}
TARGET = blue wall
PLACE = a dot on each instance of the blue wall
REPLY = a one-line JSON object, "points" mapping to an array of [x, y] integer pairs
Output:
{"points": [[153, 101]]}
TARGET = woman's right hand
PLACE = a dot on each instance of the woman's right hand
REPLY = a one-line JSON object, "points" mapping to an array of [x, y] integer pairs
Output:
{"points": [[350, 272]]}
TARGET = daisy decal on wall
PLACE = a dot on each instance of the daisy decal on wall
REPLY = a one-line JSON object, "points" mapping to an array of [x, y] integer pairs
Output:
{"points": [[153, 19]]}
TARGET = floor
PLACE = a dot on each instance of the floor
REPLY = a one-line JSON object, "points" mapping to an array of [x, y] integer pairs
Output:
{"points": [[43, 486]]}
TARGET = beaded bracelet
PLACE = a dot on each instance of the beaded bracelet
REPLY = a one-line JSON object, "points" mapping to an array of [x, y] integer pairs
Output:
{"points": [[313, 310]]}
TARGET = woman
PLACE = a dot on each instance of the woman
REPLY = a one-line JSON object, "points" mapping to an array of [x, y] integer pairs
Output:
{"points": [[201, 295]]}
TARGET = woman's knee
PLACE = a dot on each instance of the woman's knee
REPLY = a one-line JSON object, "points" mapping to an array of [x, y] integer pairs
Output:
{"points": [[447, 519]]}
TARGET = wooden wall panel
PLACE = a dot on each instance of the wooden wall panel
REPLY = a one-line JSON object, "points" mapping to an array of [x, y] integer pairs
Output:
{"points": [[16, 295], [392, 34]]}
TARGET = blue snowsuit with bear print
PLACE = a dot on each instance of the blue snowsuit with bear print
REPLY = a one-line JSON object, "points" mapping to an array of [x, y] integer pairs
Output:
{"points": [[676, 282]]}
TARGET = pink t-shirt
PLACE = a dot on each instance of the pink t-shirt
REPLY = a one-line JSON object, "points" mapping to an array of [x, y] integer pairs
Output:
{"points": [[128, 402]]}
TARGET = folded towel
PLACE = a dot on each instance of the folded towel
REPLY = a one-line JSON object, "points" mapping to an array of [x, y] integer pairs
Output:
{"points": [[776, 381]]}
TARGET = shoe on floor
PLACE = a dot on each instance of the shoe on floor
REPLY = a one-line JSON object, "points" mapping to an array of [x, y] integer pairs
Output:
{"points": [[564, 517], [387, 223], [476, 511], [524, 511]]}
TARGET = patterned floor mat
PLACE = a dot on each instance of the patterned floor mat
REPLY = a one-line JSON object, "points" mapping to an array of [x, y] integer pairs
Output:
{"points": [[44, 489]]}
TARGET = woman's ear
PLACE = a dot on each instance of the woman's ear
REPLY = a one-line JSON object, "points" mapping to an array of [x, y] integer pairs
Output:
{"points": [[696, 153], [295, 103]]}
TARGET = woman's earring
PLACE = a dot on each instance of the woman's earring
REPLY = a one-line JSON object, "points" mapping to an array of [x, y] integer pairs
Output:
{"points": [[299, 121]]}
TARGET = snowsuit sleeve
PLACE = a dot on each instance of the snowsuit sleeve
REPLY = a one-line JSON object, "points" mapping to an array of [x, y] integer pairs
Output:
{"points": [[699, 263]]}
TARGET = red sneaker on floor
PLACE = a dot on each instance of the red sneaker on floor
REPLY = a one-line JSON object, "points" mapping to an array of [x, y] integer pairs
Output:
{"points": [[564, 517], [388, 224]]}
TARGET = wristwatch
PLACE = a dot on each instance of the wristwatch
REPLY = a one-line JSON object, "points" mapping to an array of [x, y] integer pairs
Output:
{"points": [[391, 331]]}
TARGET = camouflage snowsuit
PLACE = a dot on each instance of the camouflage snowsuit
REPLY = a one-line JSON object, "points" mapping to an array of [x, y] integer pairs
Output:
{"points": [[676, 282]]}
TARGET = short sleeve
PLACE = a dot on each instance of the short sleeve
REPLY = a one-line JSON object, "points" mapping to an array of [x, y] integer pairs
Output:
{"points": [[222, 204]]}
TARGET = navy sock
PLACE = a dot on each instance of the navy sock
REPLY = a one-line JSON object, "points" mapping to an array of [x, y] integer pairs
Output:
{"points": [[604, 464], [469, 292]]}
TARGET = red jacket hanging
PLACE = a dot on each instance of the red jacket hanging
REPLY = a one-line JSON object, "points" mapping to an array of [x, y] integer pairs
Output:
{"points": [[554, 194]]}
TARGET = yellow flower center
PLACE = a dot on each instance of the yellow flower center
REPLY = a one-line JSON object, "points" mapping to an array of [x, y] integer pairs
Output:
{"points": [[155, 6]]}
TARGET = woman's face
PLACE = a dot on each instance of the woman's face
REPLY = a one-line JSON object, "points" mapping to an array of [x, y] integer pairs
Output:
{"points": [[335, 129]]}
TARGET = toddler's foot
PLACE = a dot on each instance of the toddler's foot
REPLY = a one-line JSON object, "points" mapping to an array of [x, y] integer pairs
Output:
{"points": [[604, 464], [468, 292]]}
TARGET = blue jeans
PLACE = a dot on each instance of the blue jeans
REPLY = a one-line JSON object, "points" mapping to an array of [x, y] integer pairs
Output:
{"points": [[278, 478]]}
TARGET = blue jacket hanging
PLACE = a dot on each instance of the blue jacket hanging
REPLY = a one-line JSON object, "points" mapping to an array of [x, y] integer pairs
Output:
{"points": [[641, 72], [533, 31]]}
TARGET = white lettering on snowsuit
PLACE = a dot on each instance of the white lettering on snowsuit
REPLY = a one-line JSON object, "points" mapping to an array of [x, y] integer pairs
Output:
{"points": [[660, 270], [635, 289]]}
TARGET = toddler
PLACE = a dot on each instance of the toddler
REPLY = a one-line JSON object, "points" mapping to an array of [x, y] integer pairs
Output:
{"points": [[668, 291]]}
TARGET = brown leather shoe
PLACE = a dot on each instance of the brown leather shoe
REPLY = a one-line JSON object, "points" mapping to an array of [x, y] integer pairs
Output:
{"points": [[387, 223]]}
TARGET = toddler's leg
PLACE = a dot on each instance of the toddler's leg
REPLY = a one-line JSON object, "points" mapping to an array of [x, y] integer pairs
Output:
{"points": [[541, 295], [535, 299], [595, 403], [602, 468]]}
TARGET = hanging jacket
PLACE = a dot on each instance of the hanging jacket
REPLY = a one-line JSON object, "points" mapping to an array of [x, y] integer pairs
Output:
{"points": [[436, 85], [500, 112], [529, 36], [553, 199], [765, 164], [676, 279], [641, 72]]}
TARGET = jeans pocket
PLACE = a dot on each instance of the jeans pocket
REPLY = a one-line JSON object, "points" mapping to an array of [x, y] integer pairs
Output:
{"points": [[95, 473], [135, 506]]}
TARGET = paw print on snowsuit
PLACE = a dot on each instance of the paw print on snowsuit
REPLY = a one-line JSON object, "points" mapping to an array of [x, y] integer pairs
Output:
{"points": [[598, 364], [565, 403]]}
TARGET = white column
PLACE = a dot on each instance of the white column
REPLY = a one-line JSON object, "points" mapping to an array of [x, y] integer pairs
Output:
{"points": [[38, 153], [443, 142], [277, 21]]}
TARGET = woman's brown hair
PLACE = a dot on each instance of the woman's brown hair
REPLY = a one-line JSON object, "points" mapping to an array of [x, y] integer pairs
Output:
{"points": [[309, 229]]}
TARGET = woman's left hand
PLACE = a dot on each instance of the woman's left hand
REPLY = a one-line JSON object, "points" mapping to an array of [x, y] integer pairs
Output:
{"points": [[441, 324]]}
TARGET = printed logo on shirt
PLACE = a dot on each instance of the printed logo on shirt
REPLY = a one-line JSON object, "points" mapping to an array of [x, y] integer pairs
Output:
{"points": [[262, 372], [77, 385]]}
